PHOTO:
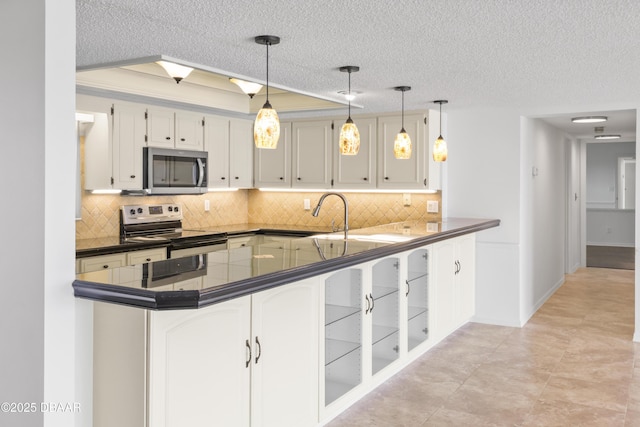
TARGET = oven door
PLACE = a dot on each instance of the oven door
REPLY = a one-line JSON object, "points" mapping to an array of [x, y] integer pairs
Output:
{"points": [[174, 171]]}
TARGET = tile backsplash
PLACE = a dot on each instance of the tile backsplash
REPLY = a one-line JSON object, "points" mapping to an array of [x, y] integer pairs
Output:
{"points": [[100, 212]]}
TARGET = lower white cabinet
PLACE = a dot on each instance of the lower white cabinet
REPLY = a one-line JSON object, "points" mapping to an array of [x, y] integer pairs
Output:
{"points": [[251, 361], [454, 282]]}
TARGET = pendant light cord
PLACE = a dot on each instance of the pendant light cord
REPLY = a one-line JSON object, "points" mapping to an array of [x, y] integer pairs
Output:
{"points": [[349, 93], [403, 110], [268, 71], [441, 119]]}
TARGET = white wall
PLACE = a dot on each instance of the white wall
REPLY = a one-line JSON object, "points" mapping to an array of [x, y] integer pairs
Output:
{"points": [[611, 227], [489, 174], [544, 212], [602, 172], [483, 181], [37, 168]]}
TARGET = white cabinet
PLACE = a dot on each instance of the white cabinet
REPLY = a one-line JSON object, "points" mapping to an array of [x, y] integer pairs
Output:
{"points": [[359, 171], [418, 294], [401, 173], [170, 129], [230, 146], [273, 166], [198, 371], [129, 130], [146, 255], [454, 282], [102, 262], [250, 361], [311, 154]]}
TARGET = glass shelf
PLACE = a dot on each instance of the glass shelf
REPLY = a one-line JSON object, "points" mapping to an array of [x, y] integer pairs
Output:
{"points": [[333, 313], [336, 349], [417, 275], [416, 311], [383, 291], [382, 332]]}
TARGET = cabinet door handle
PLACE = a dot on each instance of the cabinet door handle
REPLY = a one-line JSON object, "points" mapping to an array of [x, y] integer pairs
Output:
{"points": [[168, 138], [237, 177], [459, 266], [455, 270], [365, 178], [408, 288], [373, 304], [386, 178], [281, 178], [182, 139], [299, 179], [366, 311], [248, 361], [105, 266], [148, 259], [222, 178], [132, 176], [259, 350]]}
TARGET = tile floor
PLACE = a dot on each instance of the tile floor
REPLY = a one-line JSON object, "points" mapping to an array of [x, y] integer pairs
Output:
{"points": [[573, 364]]}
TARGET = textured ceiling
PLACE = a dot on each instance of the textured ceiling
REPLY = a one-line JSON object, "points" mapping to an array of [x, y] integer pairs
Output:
{"points": [[503, 53]]}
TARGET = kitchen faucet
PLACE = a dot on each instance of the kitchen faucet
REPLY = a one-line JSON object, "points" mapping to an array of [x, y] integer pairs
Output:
{"points": [[316, 211]]}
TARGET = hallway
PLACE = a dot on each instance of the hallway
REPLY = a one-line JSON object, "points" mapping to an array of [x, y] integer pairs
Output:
{"points": [[574, 363]]}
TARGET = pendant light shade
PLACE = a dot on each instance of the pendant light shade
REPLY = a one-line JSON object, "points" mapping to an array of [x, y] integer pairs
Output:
{"points": [[249, 88], [349, 134], [266, 129], [440, 145], [177, 71], [402, 144]]}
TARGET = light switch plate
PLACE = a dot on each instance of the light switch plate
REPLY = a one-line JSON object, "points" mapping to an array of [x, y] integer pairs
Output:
{"points": [[207, 205], [307, 204], [406, 199], [432, 206]]}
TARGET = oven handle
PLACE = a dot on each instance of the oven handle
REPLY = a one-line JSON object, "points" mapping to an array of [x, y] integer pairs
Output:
{"points": [[200, 172]]}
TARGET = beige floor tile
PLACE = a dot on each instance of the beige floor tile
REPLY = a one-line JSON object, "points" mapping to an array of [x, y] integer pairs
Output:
{"points": [[611, 395], [560, 414]]}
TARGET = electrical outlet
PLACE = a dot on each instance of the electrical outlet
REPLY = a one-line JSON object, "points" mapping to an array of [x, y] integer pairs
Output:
{"points": [[307, 204], [432, 206], [207, 205], [406, 199]]}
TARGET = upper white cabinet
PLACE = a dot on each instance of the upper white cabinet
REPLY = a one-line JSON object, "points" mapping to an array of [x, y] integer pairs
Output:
{"points": [[129, 130], [311, 153], [272, 167], [169, 129], [230, 146], [402, 173], [359, 171]]}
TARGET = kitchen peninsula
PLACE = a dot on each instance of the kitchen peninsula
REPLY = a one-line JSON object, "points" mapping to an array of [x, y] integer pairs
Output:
{"points": [[280, 333]]}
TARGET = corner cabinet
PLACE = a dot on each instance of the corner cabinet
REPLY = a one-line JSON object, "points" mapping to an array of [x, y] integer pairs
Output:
{"points": [[251, 361]]}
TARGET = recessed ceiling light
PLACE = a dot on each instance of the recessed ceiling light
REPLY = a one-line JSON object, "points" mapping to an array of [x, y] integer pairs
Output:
{"points": [[607, 137], [349, 96], [589, 119]]}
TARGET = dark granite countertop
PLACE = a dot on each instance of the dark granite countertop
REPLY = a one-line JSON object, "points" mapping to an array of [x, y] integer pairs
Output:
{"points": [[228, 274]]}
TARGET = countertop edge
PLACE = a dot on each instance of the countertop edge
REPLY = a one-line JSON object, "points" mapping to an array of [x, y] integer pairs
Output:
{"points": [[193, 299]]}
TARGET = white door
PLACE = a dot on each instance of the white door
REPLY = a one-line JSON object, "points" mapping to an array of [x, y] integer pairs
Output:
{"points": [[311, 153], [199, 366], [129, 130], [240, 153], [273, 166], [400, 173], [284, 382], [444, 268], [465, 298], [160, 128], [356, 171], [216, 143], [189, 131]]}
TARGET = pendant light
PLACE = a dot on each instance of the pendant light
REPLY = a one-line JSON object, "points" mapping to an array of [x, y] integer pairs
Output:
{"points": [[402, 143], [349, 134], [440, 146], [266, 130]]}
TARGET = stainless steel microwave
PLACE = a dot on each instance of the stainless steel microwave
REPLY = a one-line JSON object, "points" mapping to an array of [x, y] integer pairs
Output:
{"points": [[169, 171]]}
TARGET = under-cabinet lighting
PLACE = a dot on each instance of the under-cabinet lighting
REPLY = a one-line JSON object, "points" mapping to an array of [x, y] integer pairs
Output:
{"points": [[221, 190], [106, 191], [372, 191]]}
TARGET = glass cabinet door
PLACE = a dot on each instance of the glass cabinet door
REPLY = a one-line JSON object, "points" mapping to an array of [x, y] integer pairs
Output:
{"points": [[417, 287], [384, 305], [343, 333]]}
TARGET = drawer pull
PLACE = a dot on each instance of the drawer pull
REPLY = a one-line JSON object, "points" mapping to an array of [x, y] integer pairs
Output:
{"points": [[105, 266]]}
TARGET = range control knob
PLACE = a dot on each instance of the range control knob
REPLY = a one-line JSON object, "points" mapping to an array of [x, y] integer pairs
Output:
{"points": [[132, 212], [170, 209], [139, 210], [175, 209]]}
